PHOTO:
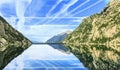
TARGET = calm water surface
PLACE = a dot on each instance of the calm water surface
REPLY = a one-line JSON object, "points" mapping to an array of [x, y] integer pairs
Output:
{"points": [[45, 57]]}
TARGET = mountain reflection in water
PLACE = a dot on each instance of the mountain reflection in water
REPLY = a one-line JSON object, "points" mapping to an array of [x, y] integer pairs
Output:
{"points": [[45, 57]]}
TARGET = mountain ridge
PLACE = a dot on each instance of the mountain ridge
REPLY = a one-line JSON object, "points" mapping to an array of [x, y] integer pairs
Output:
{"points": [[58, 38], [96, 41]]}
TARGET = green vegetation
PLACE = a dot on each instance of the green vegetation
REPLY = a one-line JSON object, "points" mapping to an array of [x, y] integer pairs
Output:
{"points": [[96, 41]]}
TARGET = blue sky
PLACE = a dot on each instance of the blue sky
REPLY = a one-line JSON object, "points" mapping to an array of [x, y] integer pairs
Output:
{"points": [[41, 19]]}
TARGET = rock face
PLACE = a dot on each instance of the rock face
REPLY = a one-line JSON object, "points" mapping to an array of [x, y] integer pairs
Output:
{"points": [[96, 42], [58, 38], [12, 43]]}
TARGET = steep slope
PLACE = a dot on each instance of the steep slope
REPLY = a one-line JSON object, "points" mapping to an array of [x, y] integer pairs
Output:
{"points": [[12, 43], [58, 38], [96, 42]]}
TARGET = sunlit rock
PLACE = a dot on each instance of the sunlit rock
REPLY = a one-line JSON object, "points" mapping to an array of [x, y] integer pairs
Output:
{"points": [[96, 42]]}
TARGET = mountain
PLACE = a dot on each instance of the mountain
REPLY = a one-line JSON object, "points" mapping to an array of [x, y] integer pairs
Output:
{"points": [[96, 41], [12, 43], [58, 38]]}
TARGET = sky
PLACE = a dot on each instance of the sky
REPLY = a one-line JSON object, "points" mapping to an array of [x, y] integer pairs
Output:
{"points": [[40, 20]]}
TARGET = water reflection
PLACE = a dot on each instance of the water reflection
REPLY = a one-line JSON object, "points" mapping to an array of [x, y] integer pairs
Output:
{"points": [[60, 47], [45, 57]]}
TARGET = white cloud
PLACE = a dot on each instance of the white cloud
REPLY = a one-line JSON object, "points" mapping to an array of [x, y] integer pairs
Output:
{"points": [[78, 20], [87, 7], [12, 21], [107, 1], [77, 7], [6, 1], [44, 32], [63, 10], [21, 6], [54, 6]]}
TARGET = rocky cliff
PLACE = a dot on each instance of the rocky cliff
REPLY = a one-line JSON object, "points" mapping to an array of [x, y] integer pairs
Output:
{"points": [[12, 43], [96, 42]]}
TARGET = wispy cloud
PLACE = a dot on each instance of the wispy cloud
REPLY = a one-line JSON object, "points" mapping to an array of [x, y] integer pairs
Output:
{"points": [[6, 1], [68, 13], [87, 7], [12, 21], [77, 20], [20, 10], [28, 13], [1, 14], [56, 20], [38, 32], [54, 6], [107, 1], [48, 17], [63, 10]]}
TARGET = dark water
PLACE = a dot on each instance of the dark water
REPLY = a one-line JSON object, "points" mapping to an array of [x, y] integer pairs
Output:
{"points": [[45, 57]]}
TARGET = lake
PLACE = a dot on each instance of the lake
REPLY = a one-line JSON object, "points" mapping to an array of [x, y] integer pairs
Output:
{"points": [[45, 57]]}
